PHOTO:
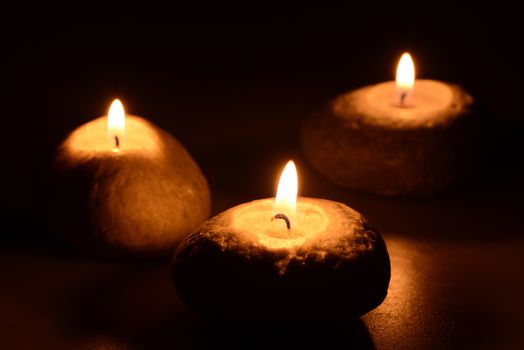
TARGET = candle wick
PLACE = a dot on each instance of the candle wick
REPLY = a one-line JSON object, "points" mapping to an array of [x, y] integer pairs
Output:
{"points": [[117, 142], [283, 217], [403, 96]]}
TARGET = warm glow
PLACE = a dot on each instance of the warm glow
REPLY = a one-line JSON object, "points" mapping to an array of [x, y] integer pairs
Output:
{"points": [[116, 120], [286, 200], [405, 74]]}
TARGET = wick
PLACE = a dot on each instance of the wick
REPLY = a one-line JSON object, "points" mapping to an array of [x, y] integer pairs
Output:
{"points": [[403, 97], [117, 142], [283, 217]]}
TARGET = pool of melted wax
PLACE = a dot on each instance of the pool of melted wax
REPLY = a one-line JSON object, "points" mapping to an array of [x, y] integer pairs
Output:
{"points": [[309, 223], [94, 138], [430, 103], [320, 230]]}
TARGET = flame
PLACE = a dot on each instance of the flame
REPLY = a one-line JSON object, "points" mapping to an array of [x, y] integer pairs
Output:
{"points": [[286, 200], [116, 121], [405, 74]]}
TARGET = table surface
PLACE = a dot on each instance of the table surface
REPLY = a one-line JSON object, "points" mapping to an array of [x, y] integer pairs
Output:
{"points": [[457, 277]]}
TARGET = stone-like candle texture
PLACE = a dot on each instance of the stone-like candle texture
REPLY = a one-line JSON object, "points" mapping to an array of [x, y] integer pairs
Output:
{"points": [[242, 263], [131, 190], [396, 139]]}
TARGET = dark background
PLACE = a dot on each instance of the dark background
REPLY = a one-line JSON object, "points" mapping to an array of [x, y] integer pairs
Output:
{"points": [[233, 81]]}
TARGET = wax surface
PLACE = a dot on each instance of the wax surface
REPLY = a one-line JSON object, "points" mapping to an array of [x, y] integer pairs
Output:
{"points": [[318, 227], [430, 103], [308, 222], [94, 138]]}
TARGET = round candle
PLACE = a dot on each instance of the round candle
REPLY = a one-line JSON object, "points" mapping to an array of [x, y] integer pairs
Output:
{"points": [[409, 137], [287, 257], [121, 185]]}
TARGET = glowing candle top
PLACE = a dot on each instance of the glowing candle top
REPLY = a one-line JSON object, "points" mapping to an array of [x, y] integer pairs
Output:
{"points": [[115, 134]]}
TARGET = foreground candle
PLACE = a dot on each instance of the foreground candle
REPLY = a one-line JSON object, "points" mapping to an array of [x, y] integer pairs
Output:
{"points": [[409, 137], [122, 185], [287, 257]]}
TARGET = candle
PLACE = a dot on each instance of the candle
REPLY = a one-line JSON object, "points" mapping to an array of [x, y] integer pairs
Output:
{"points": [[286, 257], [121, 185], [407, 137]]}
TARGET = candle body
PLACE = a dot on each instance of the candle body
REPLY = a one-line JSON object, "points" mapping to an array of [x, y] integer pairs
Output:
{"points": [[241, 264], [141, 199], [365, 140]]}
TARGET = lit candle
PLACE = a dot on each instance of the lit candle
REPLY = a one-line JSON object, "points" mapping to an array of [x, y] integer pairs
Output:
{"points": [[119, 184], [287, 257], [403, 137]]}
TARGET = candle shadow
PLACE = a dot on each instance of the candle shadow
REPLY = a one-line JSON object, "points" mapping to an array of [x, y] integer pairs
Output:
{"points": [[221, 334], [134, 305], [139, 306], [24, 231]]}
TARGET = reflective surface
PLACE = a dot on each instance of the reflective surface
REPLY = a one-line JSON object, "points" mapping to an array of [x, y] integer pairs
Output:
{"points": [[457, 270]]}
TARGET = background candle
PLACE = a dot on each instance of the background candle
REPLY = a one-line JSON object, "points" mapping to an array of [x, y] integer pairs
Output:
{"points": [[397, 138], [119, 184], [285, 258]]}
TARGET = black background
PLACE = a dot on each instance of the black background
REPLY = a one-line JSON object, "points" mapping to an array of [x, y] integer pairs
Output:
{"points": [[233, 81]]}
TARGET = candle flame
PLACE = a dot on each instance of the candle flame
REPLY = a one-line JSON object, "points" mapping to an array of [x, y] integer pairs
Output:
{"points": [[405, 75], [116, 121], [286, 200]]}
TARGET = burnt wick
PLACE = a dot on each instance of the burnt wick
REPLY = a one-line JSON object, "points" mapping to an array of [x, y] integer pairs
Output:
{"points": [[403, 98], [117, 142], [283, 217]]}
